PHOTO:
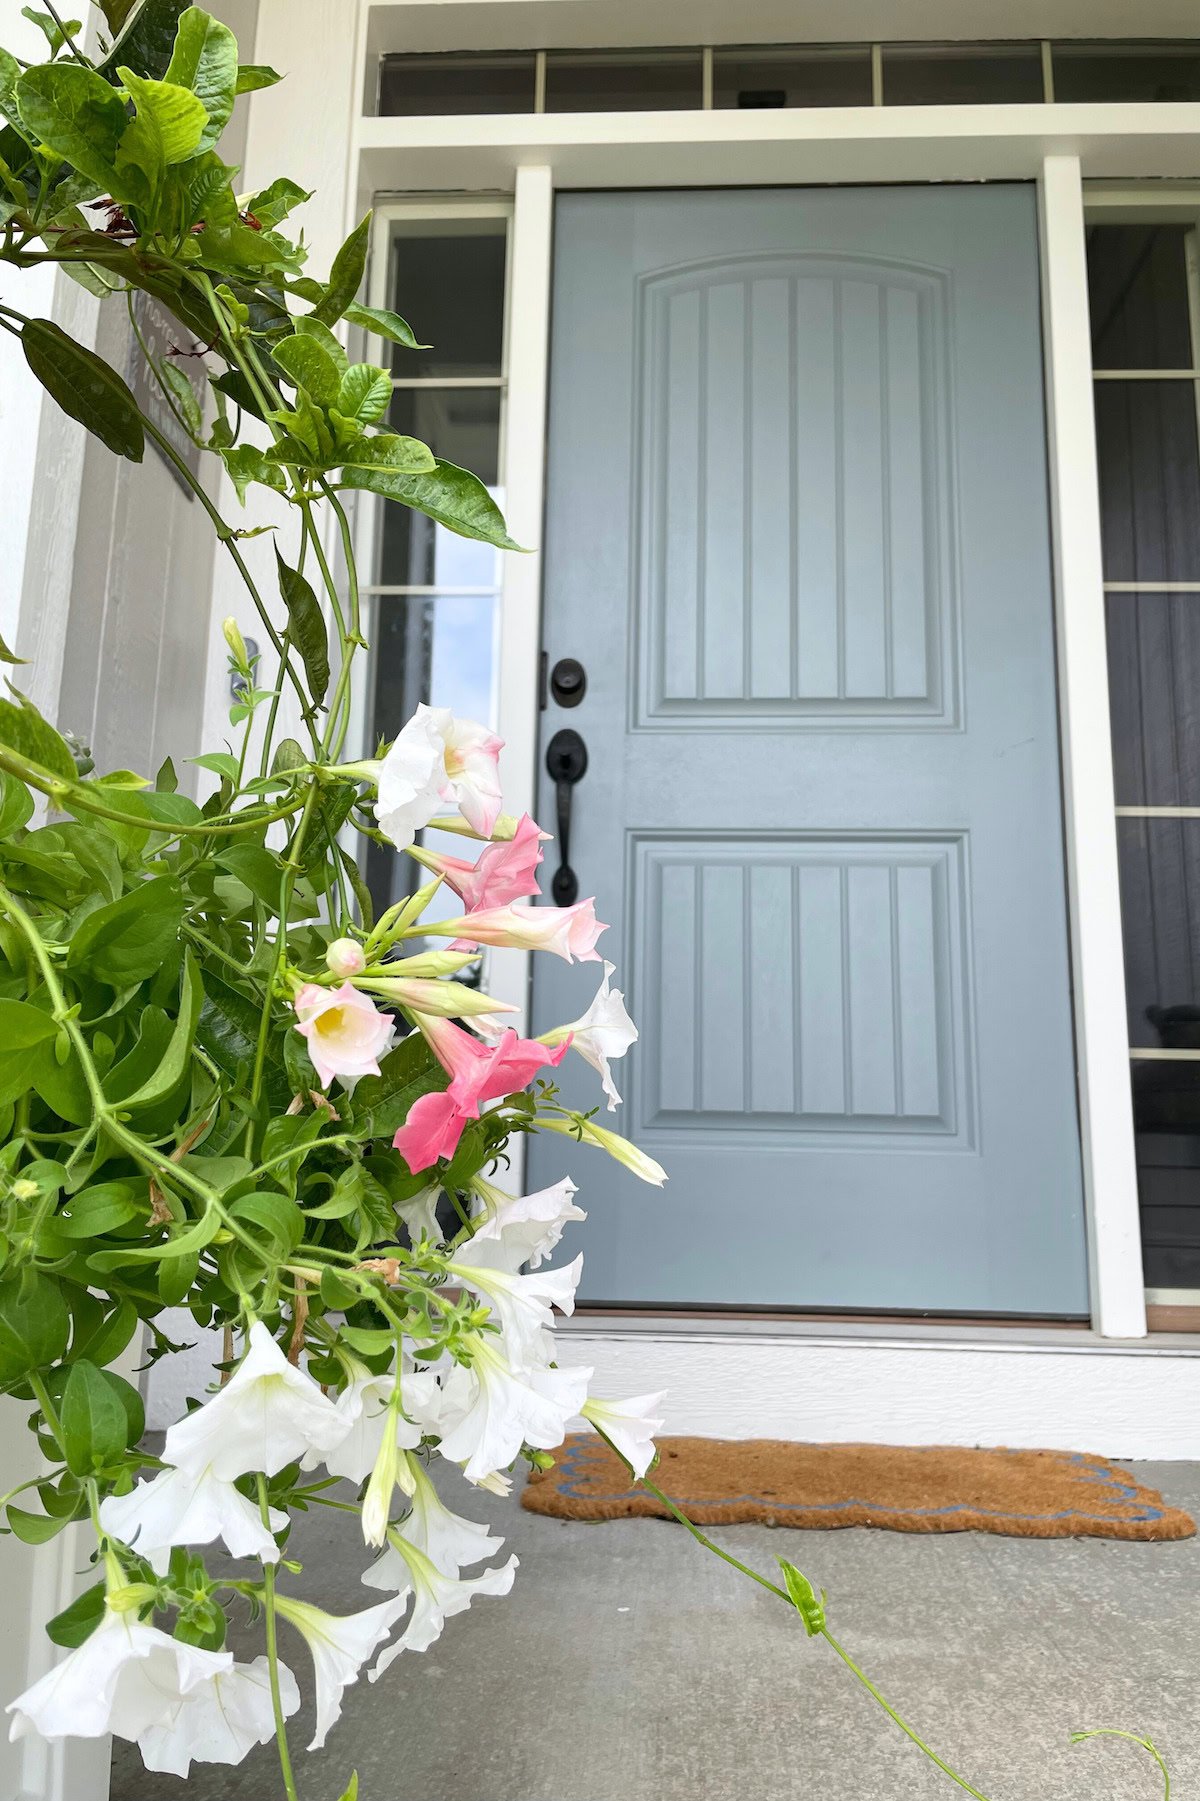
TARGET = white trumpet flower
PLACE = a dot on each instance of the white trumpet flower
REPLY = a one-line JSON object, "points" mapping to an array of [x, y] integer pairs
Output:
{"points": [[631, 1426], [267, 1415], [527, 1226], [340, 1645], [190, 1507], [500, 1408], [220, 1720], [523, 1305], [450, 1542], [436, 1597]]}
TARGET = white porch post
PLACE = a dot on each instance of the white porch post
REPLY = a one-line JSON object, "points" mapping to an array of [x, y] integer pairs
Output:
{"points": [[1105, 1099], [524, 500]]}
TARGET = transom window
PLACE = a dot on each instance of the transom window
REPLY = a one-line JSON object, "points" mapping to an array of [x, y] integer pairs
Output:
{"points": [[694, 77]]}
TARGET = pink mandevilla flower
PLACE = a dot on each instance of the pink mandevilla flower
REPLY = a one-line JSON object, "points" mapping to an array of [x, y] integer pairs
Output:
{"points": [[479, 1072], [504, 872], [570, 932], [345, 1031], [472, 755]]}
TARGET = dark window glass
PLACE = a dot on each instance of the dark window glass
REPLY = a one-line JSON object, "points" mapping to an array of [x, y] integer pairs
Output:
{"points": [[1166, 1117], [447, 280], [953, 74], [623, 81], [502, 82], [1137, 286], [461, 425], [825, 75], [1149, 480], [1154, 692], [1160, 907], [1127, 71]]}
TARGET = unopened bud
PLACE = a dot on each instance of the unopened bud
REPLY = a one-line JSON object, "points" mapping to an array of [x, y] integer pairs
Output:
{"points": [[237, 644], [25, 1190], [346, 958]]}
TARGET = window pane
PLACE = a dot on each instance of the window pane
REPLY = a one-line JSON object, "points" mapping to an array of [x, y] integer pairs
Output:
{"points": [[1137, 285], [447, 279], [950, 74], [1149, 480], [461, 425], [825, 75], [1166, 1114], [1129, 71], [499, 83], [619, 81], [1154, 692], [1160, 909]]}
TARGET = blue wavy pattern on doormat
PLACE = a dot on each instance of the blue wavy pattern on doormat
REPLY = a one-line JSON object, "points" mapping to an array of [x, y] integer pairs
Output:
{"points": [[572, 1472]]}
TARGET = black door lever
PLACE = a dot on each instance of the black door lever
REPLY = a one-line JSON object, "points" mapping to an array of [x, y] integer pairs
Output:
{"points": [[566, 764]]}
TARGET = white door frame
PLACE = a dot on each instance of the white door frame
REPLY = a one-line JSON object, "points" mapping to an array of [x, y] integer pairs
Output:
{"points": [[1057, 146]]}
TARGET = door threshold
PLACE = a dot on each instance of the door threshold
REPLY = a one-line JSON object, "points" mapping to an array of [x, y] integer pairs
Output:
{"points": [[660, 1314]]}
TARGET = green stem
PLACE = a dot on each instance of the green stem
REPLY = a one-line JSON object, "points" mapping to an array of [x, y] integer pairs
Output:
{"points": [[285, 1759], [68, 40], [701, 1539], [66, 793], [49, 1411]]}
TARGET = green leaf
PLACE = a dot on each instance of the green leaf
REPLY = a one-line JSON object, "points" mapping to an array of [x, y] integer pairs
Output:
{"points": [[278, 1221], [16, 804], [37, 1528], [345, 278], [350, 1792], [176, 1276], [252, 76], [194, 1237], [94, 1420], [34, 1325], [391, 451], [383, 324], [50, 28], [452, 496], [73, 112], [111, 1335], [22, 1027], [85, 387], [246, 463], [365, 395], [10, 656], [381, 1103], [306, 623], [220, 762], [115, 14], [309, 326], [310, 366], [804, 1598], [179, 1050], [257, 868], [271, 206], [184, 396], [94, 1211], [147, 40], [205, 59], [170, 119], [76, 1623], [130, 939]]}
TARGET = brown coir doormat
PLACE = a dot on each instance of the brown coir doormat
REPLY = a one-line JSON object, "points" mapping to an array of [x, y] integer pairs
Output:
{"points": [[1023, 1494]]}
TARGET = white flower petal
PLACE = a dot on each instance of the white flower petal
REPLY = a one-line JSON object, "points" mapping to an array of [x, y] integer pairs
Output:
{"points": [[340, 1645], [267, 1415], [186, 1507], [528, 1226], [221, 1720], [631, 1425]]}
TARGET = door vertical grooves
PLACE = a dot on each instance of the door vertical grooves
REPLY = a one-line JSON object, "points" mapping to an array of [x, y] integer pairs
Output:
{"points": [[748, 991], [793, 388], [839, 488], [897, 1016], [702, 486], [698, 989], [798, 999], [885, 495], [847, 1045], [747, 485]]}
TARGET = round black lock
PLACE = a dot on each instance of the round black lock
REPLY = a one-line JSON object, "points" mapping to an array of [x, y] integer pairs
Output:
{"points": [[568, 682]]}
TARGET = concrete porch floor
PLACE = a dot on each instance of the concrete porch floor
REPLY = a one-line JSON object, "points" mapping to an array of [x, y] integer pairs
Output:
{"points": [[630, 1665]]}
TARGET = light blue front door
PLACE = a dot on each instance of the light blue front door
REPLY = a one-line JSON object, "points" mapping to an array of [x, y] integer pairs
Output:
{"points": [[797, 535]]}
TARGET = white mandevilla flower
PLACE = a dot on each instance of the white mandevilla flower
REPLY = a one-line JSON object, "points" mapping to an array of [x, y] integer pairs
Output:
{"points": [[344, 1030], [604, 1033], [363, 1410], [410, 779], [124, 1679], [340, 1644], [436, 1596], [450, 1542], [631, 1425], [190, 1507], [345, 957], [220, 1720], [267, 1415], [523, 1304], [492, 1408], [528, 1226]]}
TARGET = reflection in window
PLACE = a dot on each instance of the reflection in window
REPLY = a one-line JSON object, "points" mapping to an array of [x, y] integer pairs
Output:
{"points": [[1149, 480], [435, 596], [961, 74], [623, 81], [499, 82], [1143, 70], [820, 75], [1154, 693], [1137, 290]]}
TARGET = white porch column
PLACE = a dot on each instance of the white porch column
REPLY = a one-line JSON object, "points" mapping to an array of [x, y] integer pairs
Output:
{"points": [[1105, 1097]]}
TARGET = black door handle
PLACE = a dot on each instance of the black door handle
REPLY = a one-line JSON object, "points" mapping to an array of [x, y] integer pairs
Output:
{"points": [[566, 764]]}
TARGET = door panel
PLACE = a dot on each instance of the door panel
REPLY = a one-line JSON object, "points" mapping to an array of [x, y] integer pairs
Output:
{"points": [[797, 534]]}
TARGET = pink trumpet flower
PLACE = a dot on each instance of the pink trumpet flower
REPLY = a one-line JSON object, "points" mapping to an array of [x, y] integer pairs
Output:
{"points": [[570, 932], [479, 1072], [504, 872]]}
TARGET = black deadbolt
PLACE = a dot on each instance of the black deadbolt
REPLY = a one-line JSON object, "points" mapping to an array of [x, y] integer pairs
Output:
{"points": [[568, 682]]}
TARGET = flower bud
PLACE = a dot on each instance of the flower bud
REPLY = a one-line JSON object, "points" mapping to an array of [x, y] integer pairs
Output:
{"points": [[237, 644], [345, 958]]}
